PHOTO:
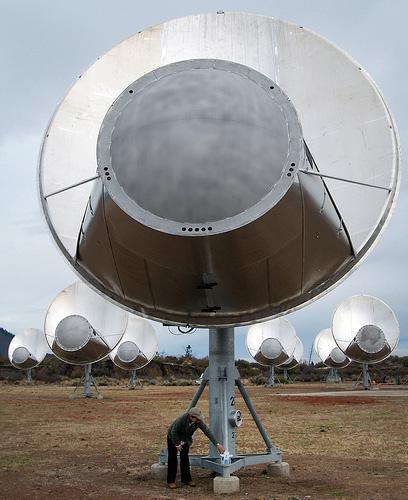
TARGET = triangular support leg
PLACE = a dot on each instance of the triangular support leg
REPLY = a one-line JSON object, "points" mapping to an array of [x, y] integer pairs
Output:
{"points": [[222, 377], [200, 390], [245, 396], [287, 377], [269, 445], [88, 382], [333, 376], [364, 378], [271, 382], [134, 381]]}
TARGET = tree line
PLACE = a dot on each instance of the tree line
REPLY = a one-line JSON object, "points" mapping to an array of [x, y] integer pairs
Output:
{"points": [[188, 368]]}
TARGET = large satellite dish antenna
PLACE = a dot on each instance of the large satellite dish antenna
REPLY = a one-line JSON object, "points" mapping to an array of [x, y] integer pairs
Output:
{"points": [[366, 330], [330, 354], [271, 344], [27, 350], [294, 360], [222, 169], [136, 349], [153, 202], [82, 328]]}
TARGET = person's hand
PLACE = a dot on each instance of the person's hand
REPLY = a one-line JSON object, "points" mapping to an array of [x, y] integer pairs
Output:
{"points": [[220, 448], [178, 447]]}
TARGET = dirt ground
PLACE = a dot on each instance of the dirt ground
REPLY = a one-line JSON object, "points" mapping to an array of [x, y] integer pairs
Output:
{"points": [[344, 447]]}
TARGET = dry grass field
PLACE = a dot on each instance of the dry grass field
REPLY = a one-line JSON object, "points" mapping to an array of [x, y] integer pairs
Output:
{"points": [[343, 447]]}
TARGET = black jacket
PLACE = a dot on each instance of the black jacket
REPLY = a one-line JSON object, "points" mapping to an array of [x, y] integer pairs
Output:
{"points": [[182, 430]]}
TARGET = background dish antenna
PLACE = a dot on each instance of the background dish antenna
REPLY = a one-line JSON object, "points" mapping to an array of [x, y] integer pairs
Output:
{"points": [[366, 330], [136, 349], [27, 349], [294, 360], [271, 344], [330, 354], [82, 328]]}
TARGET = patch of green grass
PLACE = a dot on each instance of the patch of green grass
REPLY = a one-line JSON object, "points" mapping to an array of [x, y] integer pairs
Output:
{"points": [[15, 461], [337, 493]]}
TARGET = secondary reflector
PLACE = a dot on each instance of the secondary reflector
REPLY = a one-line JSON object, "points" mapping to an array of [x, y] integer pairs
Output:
{"points": [[81, 327], [271, 343], [365, 329], [27, 348], [219, 169], [328, 351], [137, 347]]}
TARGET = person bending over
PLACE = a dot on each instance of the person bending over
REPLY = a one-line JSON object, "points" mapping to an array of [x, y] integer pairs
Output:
{"points": [[179, 438]]}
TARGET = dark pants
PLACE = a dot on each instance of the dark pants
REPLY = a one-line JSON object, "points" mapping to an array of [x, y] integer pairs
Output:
{"points": [[172, 463]]}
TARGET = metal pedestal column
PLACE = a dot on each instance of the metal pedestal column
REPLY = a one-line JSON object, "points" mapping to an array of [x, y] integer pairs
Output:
{"points": [[333, 376], [287, 377], [88, 382], [222, 388], [271, 377], [29, 378], [364, 378], [134, 382]]}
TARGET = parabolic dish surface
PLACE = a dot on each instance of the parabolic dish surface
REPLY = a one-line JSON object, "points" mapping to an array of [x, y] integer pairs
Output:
{"points": [[346, 126]]}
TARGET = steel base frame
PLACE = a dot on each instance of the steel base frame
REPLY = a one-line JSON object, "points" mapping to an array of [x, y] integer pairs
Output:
{"points": [[89, 384], [222, 377]]}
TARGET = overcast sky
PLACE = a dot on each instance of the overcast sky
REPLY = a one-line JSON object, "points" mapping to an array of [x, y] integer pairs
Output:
{"points": [[46, 44]]}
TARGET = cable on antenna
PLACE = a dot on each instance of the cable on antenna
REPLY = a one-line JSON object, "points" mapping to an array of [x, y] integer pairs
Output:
{"points": [[182, 330]]}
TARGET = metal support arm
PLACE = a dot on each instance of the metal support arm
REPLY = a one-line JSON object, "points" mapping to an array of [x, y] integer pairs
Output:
{"points": [[254, 415]]}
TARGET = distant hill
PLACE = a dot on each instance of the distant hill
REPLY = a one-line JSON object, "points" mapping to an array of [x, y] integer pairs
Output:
{"points": [[5, 339]]}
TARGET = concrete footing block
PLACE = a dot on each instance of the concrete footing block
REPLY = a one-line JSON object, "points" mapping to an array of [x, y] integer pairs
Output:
{"points": [[226, 485], [280, 469], [159, 471]]}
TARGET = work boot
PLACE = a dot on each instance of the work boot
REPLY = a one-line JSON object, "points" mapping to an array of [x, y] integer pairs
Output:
{"points": [[191, 483], [172, 486]]}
